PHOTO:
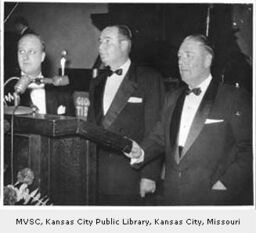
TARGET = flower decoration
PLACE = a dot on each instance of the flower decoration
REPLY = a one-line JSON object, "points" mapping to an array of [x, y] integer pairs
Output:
{"points": [[26, 176], [20, 193]]}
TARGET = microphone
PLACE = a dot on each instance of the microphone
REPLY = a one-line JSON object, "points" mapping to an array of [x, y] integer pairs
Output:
{"points": [[21, 86], [23, 83], [55, 81]]}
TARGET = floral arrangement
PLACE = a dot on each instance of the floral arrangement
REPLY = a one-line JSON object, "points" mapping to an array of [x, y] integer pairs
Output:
{"points": [[20, 193]]}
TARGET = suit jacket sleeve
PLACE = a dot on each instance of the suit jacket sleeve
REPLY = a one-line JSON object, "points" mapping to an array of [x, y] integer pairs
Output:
{"points": [[154, 144], [153, 106], [238, 172]]}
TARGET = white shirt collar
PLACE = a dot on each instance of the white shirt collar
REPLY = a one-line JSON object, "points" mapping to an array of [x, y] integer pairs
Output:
{"points": [[190, 107], [34, 85], [125, 67], [204, 85], [38, 76], [112, 85]]}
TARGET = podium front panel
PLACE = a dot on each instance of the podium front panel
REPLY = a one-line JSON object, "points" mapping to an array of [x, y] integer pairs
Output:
{"points": [[62, 164]]}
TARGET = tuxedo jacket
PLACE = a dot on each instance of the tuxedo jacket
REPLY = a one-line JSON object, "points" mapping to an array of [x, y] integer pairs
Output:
{"points": [[218, 148], [133, 112], [54, 97]]}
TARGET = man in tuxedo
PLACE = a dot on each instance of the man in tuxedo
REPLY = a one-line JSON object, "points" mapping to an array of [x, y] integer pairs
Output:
{"points": [[31, 54], [125, 99], [206, 133]]}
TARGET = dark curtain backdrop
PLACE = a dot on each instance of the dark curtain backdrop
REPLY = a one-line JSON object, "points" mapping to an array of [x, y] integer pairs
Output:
{"points": [[158, 30]]}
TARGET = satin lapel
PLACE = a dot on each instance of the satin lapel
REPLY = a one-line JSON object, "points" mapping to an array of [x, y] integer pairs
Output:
{"points": [[125, 90], [173, 148], [201, 116], [51, 101], [97, 92], [48, 102], [26, 99]]}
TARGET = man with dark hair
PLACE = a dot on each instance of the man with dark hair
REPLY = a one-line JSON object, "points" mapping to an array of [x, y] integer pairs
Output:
{"points": [[206, 134], [125, 99]]}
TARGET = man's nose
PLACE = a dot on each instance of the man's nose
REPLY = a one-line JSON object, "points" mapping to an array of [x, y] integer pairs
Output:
{"points": [[180, 61], [100, 47], [25, 56]]}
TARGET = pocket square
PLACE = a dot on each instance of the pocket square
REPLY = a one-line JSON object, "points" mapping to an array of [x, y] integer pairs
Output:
{"points": [[135, 100], [219, 186], [61, 110], [212, 121]]}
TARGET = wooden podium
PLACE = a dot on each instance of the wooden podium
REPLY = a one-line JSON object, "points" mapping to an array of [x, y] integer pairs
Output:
{"points": [[59, 157], [57, 149]]}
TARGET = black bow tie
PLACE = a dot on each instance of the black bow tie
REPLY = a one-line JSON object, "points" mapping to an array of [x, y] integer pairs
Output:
{"points": [[38, 81], [118, 72], [196, 91]]}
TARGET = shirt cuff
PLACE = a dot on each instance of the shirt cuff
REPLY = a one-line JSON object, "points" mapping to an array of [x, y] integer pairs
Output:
{"points": [[138, 160]]}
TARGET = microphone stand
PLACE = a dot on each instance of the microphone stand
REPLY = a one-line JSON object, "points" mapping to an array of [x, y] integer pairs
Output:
{"points": [[16, 105], [16, 100], [16, 96]]}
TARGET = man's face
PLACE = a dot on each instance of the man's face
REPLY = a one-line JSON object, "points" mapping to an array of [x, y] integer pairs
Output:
{"points": [[110, 47], [30, 55], [194, 62]]}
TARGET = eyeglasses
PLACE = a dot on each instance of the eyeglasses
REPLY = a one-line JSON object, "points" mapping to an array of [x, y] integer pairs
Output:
{"points": [[29, 52]]}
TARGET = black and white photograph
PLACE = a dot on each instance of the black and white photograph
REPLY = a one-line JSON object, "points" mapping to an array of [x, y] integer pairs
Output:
{"points": [[127, 104]]}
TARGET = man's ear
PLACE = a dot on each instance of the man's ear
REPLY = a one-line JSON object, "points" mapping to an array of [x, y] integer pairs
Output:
{"points": [[208, 60], [124, 45], [43, 56]]}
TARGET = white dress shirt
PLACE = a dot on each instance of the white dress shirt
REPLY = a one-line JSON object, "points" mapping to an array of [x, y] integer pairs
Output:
{"points": [[112, 84], [37, 95], [190, 107]]}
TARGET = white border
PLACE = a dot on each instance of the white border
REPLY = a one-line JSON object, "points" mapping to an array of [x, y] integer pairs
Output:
{"points": [[9, 213]]}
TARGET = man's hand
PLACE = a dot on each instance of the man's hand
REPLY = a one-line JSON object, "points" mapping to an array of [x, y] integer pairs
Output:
{"points": [[136, 151], [60, 80], [136, 155], [147, 186]]}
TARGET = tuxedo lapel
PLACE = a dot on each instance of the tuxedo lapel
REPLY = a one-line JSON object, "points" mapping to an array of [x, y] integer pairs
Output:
{"points": [[125, 90], [201, 116], [170, 125], [51, 102], [98, 91], [48, 102], [176, 117], [26, 99]]}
